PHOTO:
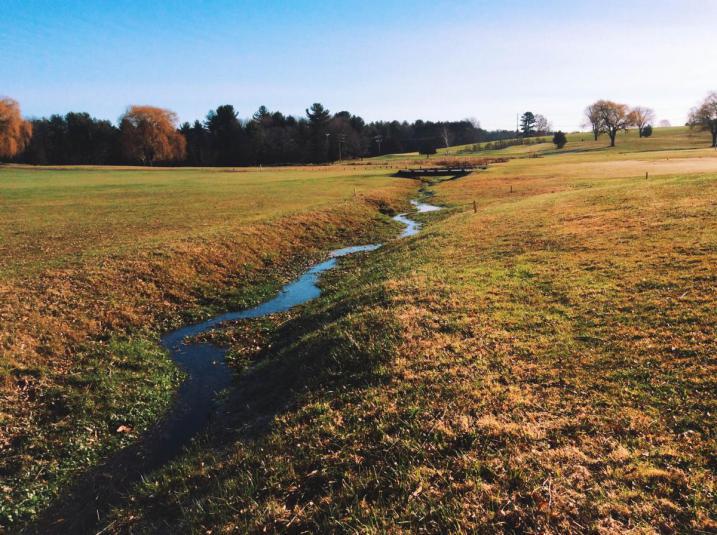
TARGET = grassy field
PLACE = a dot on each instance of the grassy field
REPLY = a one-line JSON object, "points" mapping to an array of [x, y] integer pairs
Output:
{"points": [[672, 139], [53, 216], [547, 364], [97, 262]]}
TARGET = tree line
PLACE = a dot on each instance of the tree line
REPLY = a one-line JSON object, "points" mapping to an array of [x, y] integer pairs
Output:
{"points": [[147, 135]]}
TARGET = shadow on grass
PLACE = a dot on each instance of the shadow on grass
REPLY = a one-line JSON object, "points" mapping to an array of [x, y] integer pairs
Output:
{"points": [[317, 350]]}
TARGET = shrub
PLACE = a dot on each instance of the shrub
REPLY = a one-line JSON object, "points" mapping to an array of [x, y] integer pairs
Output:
{"points": [[559, 139], [427, 148]]}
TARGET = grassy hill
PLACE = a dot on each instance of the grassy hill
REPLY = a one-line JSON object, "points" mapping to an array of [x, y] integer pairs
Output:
{"points": [[545, 364], [671, 139]]}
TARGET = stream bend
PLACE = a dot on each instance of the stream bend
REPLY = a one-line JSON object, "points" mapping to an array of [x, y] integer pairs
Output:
{"points": [[81, 507], [204, 363]]}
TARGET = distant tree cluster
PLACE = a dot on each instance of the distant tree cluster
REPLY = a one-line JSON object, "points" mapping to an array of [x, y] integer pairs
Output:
{"points": [[534, 124], [608, 117], [75, 138], [270, 137], [147, 135], [605, 116]]}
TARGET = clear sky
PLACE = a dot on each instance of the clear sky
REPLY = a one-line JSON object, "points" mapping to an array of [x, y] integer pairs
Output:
{"points": [[381, 59]]}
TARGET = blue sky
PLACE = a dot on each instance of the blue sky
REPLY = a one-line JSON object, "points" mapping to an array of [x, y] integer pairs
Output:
{"points": [[379, 59]]}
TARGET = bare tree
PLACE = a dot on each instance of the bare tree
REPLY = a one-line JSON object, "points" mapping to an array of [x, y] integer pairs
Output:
{"points": [[641, 117], [446, 136], [612, 117], [15, 132], [593, 120], [664, 123], [150, 135], [704, 116], [542, 125]]}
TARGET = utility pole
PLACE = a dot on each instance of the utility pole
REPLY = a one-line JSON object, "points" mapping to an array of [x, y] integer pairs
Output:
{"points": [[378, 139], [342, 140]]}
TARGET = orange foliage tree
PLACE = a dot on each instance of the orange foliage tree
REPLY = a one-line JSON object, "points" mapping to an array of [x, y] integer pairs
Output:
{"points": [[150, 135], [15, 132]]}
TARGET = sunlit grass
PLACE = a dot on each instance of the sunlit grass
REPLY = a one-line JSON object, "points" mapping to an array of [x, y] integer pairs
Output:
{"points": [[543, 365], [95, 255], [53, 215], [671, 141]]}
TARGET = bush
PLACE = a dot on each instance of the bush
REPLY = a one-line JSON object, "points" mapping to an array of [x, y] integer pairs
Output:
{"points": [[647, 131], [559, 139], [427, 148]]}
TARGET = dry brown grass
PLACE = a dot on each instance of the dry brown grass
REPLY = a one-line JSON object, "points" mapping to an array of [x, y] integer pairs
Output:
{"points": [[545, 365], [135, 266]]}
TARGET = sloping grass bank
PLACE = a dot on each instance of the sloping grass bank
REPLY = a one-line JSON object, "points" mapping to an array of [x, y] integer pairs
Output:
{"points": [[547, 364], [82, 372]]}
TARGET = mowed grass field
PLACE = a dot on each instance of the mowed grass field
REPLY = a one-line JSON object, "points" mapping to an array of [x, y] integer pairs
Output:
{"points": [[95, 263], [55, 216], [628, 144], [547, 364]]}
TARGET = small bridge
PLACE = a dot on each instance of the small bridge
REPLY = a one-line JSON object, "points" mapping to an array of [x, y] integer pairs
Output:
{"points": [[454, 172]]}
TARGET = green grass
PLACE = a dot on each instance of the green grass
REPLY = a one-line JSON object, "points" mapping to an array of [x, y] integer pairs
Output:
{"points": [[663, 139], [97, 396], [545, 364], [52, 216], [101, 261]]}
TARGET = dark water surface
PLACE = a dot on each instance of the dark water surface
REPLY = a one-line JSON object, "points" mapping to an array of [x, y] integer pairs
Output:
{"points": [[204, 363]]}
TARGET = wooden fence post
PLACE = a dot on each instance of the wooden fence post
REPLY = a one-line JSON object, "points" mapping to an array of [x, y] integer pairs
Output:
{"points": [[475, 208]]}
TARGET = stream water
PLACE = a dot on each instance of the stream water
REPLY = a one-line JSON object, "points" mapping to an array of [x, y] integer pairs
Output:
{"points": [[204, 363], [82, 507]]}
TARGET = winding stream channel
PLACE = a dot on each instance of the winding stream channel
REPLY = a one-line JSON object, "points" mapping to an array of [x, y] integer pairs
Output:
{"points": [[81, 507], [204, 363]]}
